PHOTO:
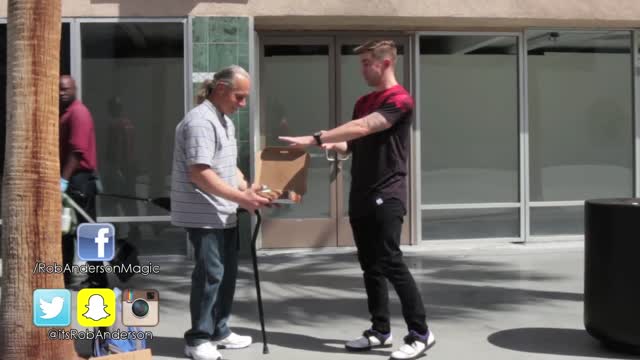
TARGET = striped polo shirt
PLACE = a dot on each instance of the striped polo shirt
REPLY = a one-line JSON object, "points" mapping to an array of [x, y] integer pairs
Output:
{"points": [[204, 136]]}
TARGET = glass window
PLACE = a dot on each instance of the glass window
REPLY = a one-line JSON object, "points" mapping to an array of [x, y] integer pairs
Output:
{"points": [[469, 119], [470, 224], [133, 84], [547, 221], [65, 49], [580, 114], [469, 134]]}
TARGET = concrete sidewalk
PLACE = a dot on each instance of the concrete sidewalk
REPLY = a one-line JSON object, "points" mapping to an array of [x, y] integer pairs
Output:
{"points": [[484, 301]]}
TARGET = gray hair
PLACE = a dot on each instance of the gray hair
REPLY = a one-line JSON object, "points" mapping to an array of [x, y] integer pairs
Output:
{"points": [[227, 76]]}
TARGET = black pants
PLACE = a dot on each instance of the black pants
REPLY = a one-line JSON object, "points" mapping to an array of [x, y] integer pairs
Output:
{"points": [[82, 189], [377, 237]]}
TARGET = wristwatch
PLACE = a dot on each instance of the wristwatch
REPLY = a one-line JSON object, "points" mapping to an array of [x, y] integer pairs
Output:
{"points": [[316, 136]]}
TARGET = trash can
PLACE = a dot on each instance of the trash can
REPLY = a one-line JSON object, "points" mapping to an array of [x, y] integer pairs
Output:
{"points": [[612, 272]]}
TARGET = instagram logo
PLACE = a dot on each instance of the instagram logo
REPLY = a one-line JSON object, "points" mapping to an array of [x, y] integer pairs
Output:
{"points": [[140, 307]]}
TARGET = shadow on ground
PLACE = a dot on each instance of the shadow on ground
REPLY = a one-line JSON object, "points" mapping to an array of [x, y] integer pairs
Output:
{"points": [[305, 288], [172, 347], [551, 341]]}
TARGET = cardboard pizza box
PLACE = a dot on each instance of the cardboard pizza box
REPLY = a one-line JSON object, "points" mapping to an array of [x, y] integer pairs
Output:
{"points": [[282, 171]]}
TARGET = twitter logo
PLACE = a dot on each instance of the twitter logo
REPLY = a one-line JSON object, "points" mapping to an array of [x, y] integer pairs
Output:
{"points": [[51, 307]]}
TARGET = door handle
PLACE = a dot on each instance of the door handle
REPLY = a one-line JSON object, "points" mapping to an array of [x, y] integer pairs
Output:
{"points": [[328, 155]]}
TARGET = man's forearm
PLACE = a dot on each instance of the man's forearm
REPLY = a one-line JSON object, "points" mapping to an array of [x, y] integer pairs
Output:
{"points": [[352, 130], [370, 124], [208, 181], [70, 165], [242, 181]]}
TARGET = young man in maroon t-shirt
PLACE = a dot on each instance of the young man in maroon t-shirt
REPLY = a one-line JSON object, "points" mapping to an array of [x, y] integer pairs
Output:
{"points": [[378, 139], [78, 166]]}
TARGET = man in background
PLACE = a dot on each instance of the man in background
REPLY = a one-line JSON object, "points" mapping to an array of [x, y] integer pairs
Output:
{"points": [[78, 166]]}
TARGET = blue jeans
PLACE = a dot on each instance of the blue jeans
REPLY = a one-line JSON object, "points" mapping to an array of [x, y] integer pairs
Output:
{"points": [[213, 283]]}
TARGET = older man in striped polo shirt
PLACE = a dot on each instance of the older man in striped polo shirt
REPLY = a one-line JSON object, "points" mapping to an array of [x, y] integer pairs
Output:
{"points": [[207, 188]]}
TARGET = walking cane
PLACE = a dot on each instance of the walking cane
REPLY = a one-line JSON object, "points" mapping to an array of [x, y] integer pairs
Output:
{"points": [[256, 230]]}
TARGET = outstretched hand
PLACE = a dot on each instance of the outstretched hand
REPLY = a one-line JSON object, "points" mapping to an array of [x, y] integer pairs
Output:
{"points": [[298, 141]]}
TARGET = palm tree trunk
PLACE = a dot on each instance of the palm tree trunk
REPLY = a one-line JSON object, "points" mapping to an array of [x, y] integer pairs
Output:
{"points": [[31, 191]]}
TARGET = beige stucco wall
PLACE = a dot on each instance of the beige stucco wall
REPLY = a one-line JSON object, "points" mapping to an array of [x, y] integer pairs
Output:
{"points": [[377, 14]]}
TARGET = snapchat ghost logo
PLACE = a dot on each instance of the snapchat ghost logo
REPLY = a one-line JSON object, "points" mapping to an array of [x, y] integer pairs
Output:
{"points": [[96, 307]]}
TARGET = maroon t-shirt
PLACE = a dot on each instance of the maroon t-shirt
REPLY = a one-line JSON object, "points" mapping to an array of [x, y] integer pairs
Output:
{"points": [[379, 165], [77, 135]]}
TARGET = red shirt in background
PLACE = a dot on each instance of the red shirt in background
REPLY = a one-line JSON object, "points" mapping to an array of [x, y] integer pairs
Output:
{"points": [[77, 135]]}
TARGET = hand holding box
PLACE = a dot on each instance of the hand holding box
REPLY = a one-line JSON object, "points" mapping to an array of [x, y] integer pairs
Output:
{"points": [[282, 174]]}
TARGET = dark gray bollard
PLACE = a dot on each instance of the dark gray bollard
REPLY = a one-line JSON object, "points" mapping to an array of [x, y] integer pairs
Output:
{"points": [[612, 272]]}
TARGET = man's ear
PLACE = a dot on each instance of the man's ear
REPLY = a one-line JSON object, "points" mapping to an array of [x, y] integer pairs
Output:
{"points": [[219, 89]]}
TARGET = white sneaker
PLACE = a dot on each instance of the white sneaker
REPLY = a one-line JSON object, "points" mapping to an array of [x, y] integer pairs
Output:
{"points": [[413, 347], [233, 341], [204, 351], [370, 339]]}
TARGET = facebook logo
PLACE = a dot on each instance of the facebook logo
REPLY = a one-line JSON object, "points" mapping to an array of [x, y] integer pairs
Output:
{"points": [[96, 242]]}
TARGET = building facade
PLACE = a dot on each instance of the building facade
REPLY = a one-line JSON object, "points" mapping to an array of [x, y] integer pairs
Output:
{"points": [[524, 108]]}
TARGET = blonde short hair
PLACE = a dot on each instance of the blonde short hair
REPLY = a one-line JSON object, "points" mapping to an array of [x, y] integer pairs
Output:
{"points": [[381, 49]]}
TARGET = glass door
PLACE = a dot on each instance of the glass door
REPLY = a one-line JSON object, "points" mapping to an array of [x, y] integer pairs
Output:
{"points": [[297, 88], [309, 84]]}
